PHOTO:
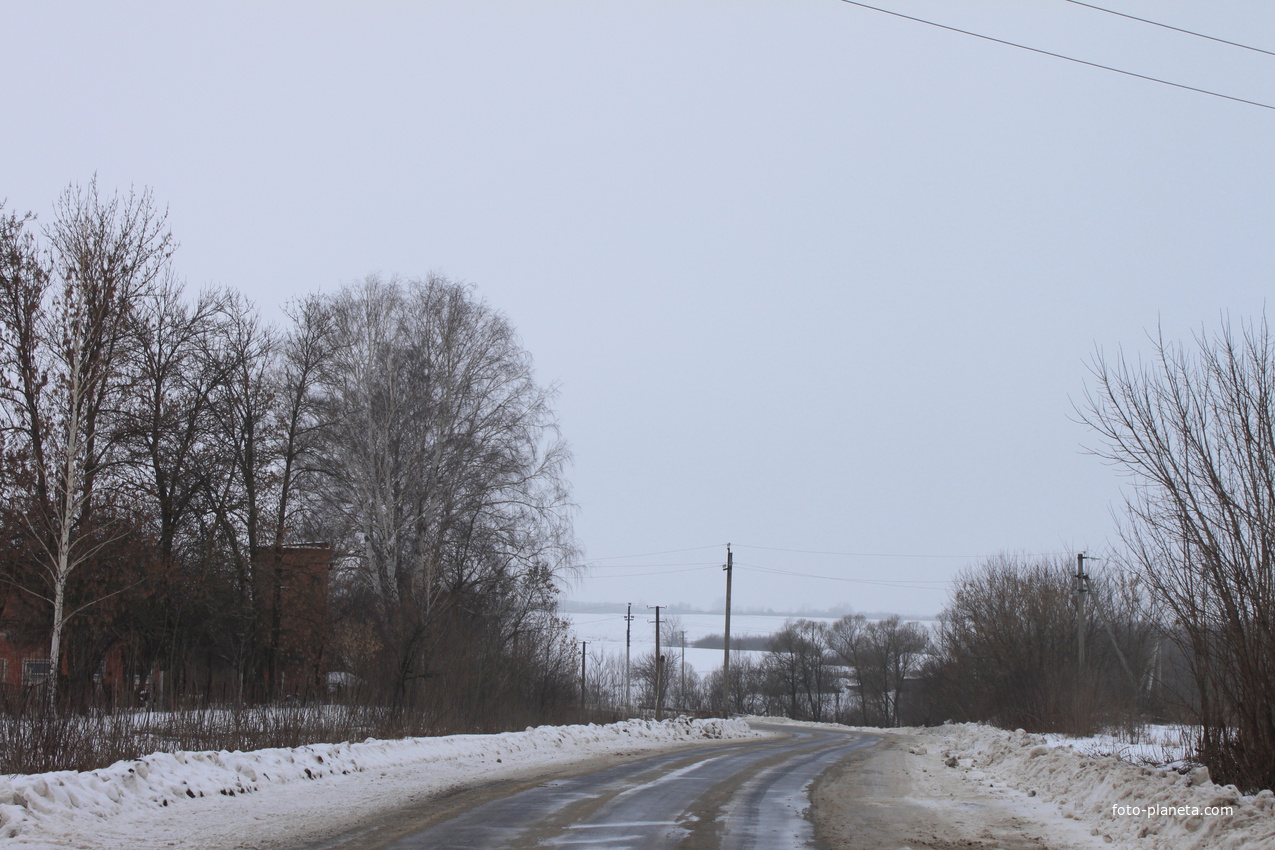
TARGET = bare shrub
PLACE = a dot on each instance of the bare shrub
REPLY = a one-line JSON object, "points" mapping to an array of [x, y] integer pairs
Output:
{"points": [[1194, 429], [1006, 649]]}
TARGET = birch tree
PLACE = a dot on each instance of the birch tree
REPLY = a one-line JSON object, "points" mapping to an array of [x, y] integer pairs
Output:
{"points": [[441, 458], [67, 313]]}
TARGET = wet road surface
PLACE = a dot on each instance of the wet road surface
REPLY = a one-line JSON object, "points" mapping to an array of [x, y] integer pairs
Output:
{"points": [[748, 795]]}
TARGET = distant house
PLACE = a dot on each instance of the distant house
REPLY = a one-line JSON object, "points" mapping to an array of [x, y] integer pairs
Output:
{"points": [[24, 655], [22, 663], [291, 589], [295, 579]]}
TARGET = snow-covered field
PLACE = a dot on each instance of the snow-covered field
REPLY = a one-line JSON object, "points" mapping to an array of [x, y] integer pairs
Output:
{"points": [[605, 632]]}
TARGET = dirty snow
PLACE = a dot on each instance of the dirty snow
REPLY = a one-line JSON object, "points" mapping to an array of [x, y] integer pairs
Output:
{"points": [[1122, 804], [211, 799]]}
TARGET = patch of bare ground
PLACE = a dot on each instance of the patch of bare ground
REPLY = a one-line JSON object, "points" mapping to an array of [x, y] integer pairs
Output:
{"points": [[899, 795]]}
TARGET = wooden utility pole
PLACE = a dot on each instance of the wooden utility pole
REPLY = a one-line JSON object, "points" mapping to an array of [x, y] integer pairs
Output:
{"points": [[659, 664], [729, 568], [628, 642], [1082, 587], [682, 640], [584, 657]]}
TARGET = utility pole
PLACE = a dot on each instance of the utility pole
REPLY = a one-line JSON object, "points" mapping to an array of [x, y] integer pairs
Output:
{"points": [[1082, 587], [682, 638], [659, 663], [584, 657], [729, 568], [628, 642], [1111, 633]]}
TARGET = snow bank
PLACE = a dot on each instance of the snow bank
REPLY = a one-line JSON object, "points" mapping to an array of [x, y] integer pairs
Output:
{"points": [[1126, 804], [1153, 745], [34, 803]]}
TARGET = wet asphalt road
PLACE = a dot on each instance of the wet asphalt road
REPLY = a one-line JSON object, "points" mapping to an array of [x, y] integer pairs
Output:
{"points": [[748, 795]]}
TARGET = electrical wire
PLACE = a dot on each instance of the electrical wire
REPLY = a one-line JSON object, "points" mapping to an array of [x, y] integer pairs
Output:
{"points": [[666, 552], [919, 584], [632, 566], [858, 554], [1168, 27], [1059, 55], [660, 573]]}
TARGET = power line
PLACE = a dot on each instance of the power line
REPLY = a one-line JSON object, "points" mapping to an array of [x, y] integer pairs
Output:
{"points": [[671, 564], [1168, 27], [1059, 55], [650, 554], [659, 573], [883, 554], [858, 554], [919, 584]]}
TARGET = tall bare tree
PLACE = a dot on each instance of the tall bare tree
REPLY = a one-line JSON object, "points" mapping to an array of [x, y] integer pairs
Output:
{"points": [[68, 316], [798, 665], [440, 456], [305, 351], [165, 427], [240, 487]]}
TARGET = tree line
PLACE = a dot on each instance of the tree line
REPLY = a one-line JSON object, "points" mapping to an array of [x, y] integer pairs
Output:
{"points": [[164, 453], [1005, 649], [852, 670], [1178, 624]]}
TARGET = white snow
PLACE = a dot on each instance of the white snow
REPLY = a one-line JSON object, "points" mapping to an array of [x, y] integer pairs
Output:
{"points": [[279, 797], [1152, 745], [1124, 805], [211, 799]]}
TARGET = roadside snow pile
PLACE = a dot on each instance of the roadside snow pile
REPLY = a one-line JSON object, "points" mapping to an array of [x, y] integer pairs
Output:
{"points": [[165, 779], [1151, 745], [1126, 804]]}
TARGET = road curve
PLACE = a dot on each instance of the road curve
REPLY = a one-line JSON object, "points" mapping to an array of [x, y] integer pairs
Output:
{"points": [[749, 795]]}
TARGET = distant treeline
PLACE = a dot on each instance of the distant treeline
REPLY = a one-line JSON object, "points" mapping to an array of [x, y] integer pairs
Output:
{"points": [[757, 643]]}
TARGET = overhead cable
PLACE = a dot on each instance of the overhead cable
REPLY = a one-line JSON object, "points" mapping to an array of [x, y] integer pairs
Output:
{"points": [[1168, 27], [1059, 55]]}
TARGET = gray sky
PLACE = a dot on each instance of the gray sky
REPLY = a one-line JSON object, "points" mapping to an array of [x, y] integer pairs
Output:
{"points": [[809, 276]]}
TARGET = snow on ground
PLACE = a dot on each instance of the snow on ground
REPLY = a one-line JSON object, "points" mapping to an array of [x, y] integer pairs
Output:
{"points": [[1121, 804], [1151, 745], [1068, 792], [268, 797], [605, 633]]}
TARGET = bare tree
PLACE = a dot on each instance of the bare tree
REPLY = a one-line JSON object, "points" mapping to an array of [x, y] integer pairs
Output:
{"points": [[164, 428], [241, 480], [798, 665], [68, 317], [1194, 429], [305, 352], [441, 460], [883, 655]]}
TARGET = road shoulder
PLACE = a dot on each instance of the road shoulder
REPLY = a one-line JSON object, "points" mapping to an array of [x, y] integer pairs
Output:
{"points": [[899, 793]]}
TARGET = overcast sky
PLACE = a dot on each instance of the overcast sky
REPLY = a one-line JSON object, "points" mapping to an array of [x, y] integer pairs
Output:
{"points": [[808, 276]]}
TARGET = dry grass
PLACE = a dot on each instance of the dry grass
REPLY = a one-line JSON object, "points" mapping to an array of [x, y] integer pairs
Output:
{"points": [[35, 740]]}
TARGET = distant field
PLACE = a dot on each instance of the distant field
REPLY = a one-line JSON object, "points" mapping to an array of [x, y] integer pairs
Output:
{"points": [[605, 630]]}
